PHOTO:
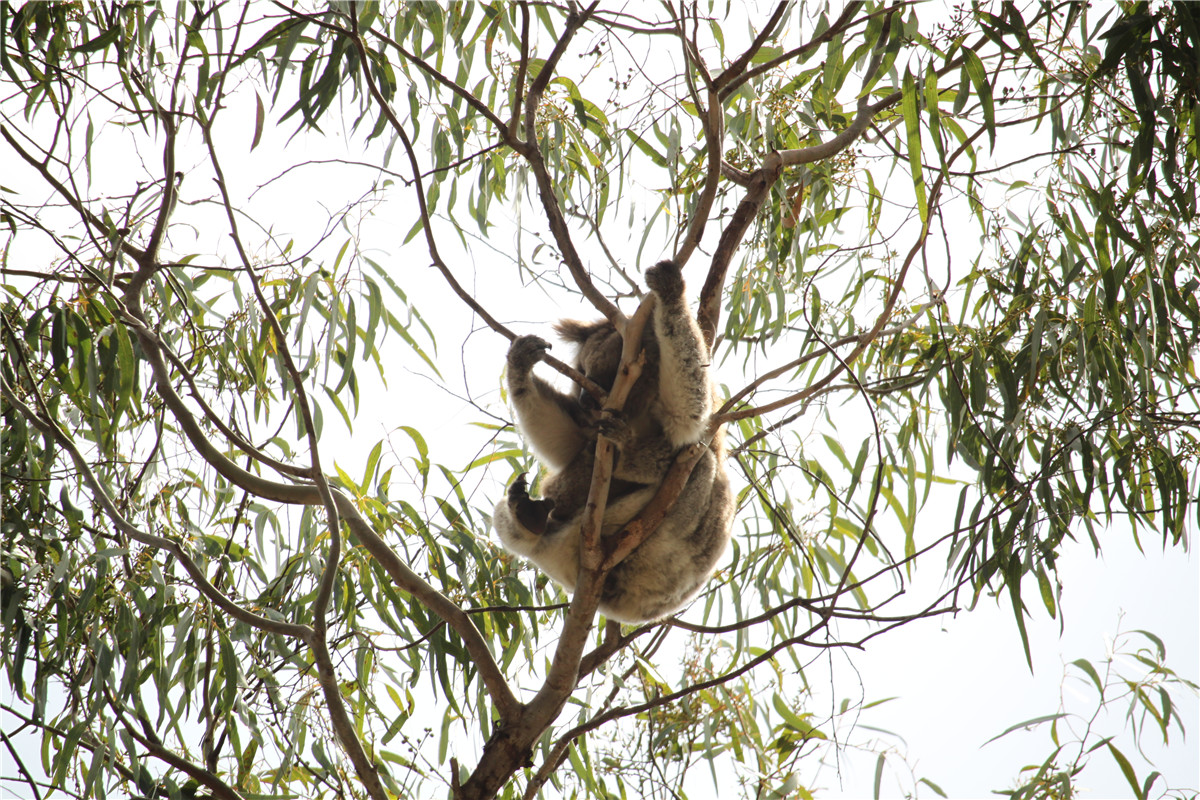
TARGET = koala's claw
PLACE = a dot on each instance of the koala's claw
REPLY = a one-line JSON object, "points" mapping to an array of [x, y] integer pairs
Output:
{"points": [[666, 280], [614, 427], [525, 351]]}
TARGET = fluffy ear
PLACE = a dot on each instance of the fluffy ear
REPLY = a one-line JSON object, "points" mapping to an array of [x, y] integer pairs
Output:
{"points": [[576, 332]]}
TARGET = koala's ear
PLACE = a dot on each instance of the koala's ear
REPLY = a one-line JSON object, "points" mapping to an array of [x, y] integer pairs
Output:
{"points": [[576, 332]]}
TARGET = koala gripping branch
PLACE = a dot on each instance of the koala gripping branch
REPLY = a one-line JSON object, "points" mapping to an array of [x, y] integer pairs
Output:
{"points": [[632, 361], [511, 746], [645, 523]]}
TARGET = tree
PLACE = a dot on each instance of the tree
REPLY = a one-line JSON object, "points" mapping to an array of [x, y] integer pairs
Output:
{"points": [[203, 598]]}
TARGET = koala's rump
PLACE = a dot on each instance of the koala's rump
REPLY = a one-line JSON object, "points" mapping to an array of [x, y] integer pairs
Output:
{"points": [[671, 566]]}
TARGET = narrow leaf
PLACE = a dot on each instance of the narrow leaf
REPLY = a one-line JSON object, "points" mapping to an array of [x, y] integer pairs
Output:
{"points": [[910, 108]]}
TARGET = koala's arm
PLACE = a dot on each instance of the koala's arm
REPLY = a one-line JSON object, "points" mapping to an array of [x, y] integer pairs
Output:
{"points": [[643, 457], [548, 418], [684, 387]]}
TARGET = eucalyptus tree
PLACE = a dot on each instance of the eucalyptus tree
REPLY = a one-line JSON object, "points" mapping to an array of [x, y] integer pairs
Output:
{"points": [[947, 266]]}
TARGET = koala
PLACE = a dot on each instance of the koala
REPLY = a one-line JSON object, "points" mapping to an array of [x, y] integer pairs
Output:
{"points": [[669, 407]]}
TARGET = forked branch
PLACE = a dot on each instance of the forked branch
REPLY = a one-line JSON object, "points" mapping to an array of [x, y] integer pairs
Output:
{"points": [[758, 187], [364, 61], [512, 744]]}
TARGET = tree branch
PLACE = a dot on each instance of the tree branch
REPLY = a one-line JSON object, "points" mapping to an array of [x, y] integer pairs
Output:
{"points": [[712, 123], [427, 225], [343, 726], [730, 81], [306, 494], [759, 185], [522, 71], [16, 756], [795, 363], [512, 743], [564, 669], [89, 741], [89, 219], [739, 64], [708, 314], [638, 529], [881, 321], [156, 748], [170, 188], [530, 150]]}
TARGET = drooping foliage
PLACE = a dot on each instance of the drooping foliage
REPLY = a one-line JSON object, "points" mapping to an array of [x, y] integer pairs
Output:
{"points": [[948, 262]]}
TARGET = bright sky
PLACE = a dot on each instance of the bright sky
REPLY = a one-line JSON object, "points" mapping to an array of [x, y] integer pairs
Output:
{"points": [[957, 682]]}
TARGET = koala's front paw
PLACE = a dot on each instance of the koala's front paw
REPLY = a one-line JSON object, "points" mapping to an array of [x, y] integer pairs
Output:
{"points": [[666, 280], [614, 427], [525, 351], [532, 514]]}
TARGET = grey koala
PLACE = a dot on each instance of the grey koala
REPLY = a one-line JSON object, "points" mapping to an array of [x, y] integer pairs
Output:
{"points": [[669, 407]]}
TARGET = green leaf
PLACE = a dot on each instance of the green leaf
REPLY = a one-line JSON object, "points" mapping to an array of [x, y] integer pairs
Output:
{"points": [[1047, 591], [372, 464], [101, 42], [983, 90], [910, 109], [1159, 646], [1014, 593], [260, 118], [1087, 667], [640, 142], [793, 720], [1128, 771], [932, 100], [933, 786], [422, 460], [765, 54], [1029, 723]]}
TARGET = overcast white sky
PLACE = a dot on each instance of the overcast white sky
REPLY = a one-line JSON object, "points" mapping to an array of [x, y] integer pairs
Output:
{"points": [[958, 682]]}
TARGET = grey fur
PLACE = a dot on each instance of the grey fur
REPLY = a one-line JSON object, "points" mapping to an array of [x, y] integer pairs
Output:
{"points": [[670, 407]]}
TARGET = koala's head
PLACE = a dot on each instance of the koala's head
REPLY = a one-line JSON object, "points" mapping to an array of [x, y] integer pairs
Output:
{"points": [[598, 356]]}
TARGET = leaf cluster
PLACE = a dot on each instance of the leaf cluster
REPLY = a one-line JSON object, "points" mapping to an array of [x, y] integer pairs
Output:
{"points": [[938, 356]]}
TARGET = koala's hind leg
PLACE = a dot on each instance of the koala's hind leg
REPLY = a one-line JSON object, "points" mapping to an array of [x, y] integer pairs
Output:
{"points": [[670, 567], [640, 459], [531, 514], [684, 402], [551, 545]]}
